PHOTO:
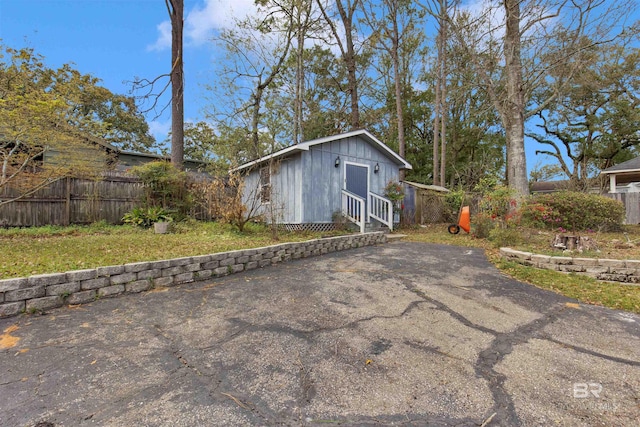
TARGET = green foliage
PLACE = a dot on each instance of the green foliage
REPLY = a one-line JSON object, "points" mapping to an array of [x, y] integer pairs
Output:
{"points": [[497, 209], [165, 186], [453, 202], [394, 191], [482, 225], [573, 211], [505, 236], [594, 123], [498, 203], [50, 119], [146, 217]]}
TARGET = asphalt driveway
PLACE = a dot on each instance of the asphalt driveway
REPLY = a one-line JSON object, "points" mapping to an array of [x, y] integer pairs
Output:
{"points": [[397, 334]]}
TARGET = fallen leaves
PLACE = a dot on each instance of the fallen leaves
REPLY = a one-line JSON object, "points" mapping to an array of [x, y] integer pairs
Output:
{"points": [[7, 340]]}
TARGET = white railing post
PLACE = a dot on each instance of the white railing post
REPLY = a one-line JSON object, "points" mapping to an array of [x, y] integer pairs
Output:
{"points": [[353, 209], [381, 208]]}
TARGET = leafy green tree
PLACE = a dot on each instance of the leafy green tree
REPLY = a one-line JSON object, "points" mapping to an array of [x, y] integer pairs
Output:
{"points": [[35, 111], [101, 113], [594, 124], [49, 119], [394, 23], [516, 55]]}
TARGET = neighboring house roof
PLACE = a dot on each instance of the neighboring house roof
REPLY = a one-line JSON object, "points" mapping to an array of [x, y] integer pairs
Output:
{"points": [[548, 186], [427, 187], [113, 149], [632, 165], [305, 146]]}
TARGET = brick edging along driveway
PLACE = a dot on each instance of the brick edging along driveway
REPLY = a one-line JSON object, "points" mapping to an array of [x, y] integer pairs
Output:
{"points": [[45, 291]]}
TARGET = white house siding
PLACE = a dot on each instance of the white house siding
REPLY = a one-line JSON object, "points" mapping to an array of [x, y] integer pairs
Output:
{"points": [[323, 182]]}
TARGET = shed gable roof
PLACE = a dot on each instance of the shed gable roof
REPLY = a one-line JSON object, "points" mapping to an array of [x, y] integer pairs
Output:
{"points": [[305, 146]]}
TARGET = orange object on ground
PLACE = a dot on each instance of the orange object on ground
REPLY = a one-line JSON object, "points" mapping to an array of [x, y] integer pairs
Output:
{"points": [[465, 219]]}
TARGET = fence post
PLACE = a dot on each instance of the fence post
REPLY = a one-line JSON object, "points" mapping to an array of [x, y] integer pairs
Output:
{"points": [[67, 207]]}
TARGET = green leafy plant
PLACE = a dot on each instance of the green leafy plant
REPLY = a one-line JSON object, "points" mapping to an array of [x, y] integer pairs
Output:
{"points": [[165, 186], [394, 192], [573, 211], [146, 217], [453, 201], [496, 210]]}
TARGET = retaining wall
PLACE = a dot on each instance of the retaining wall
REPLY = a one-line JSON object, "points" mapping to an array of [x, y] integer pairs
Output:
{"points": [[45, 291], [626, 271]]}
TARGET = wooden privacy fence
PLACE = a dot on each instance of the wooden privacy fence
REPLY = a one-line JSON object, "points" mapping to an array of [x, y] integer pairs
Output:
{"points": [[73, 201], [631, 202]]}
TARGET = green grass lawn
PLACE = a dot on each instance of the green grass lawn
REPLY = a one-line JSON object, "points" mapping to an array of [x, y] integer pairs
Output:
{"points": [[41, 250]]}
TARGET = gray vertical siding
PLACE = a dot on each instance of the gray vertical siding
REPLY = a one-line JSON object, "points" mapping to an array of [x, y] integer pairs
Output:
{"points": [[307, 186], [286, 184], [323, 182]]}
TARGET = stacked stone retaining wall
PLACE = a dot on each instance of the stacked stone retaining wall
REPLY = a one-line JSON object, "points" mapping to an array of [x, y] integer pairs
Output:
{"points": [[45, 291], [625, 271]]}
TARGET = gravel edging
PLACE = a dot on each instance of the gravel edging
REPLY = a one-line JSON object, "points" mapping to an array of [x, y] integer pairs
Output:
{"points": [[45, 291]]}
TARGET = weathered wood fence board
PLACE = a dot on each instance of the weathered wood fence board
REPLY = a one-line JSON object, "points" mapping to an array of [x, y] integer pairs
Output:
{"points": [[73, 201], [631, 202]]}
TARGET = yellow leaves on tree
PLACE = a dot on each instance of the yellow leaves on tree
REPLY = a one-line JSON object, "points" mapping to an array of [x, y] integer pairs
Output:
{"points": [[39, 142]]}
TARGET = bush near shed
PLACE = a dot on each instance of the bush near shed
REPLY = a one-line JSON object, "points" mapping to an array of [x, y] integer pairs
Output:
{"points": [[573, 211]]}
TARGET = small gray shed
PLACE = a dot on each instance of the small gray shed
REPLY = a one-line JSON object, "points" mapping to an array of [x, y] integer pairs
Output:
{"points": [[304, 185]]}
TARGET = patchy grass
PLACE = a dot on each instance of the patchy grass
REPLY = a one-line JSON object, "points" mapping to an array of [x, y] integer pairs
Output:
{"points": [[52, 249], [582, 288], [621, 245]]}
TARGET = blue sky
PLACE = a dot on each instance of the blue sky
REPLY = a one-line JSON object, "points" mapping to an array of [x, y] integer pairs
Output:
{"points": [[117, 40]]}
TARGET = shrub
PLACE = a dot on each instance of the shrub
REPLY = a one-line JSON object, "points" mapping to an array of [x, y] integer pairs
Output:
{"points": [[481, 225], [165, 186], [453, 201], [146, 217], [508, 236], [498, 203], [496, 211], [573, 211], [394, 192]]}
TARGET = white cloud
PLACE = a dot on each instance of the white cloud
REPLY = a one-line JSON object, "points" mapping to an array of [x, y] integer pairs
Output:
{"points": [[164, 37], [204, 19], [160, 129], [536, 18]]}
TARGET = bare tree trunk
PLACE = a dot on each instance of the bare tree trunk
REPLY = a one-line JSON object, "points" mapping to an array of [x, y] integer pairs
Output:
{"points": [[398, 79], [350, 61], [176, 13], [514, 115], [442, 53], [436, 132], [298, 133], [303, 24], [347, 51]]}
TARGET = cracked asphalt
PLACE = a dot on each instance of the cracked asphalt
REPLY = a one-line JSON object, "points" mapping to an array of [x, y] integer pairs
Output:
{"points": [[404, 334]]}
